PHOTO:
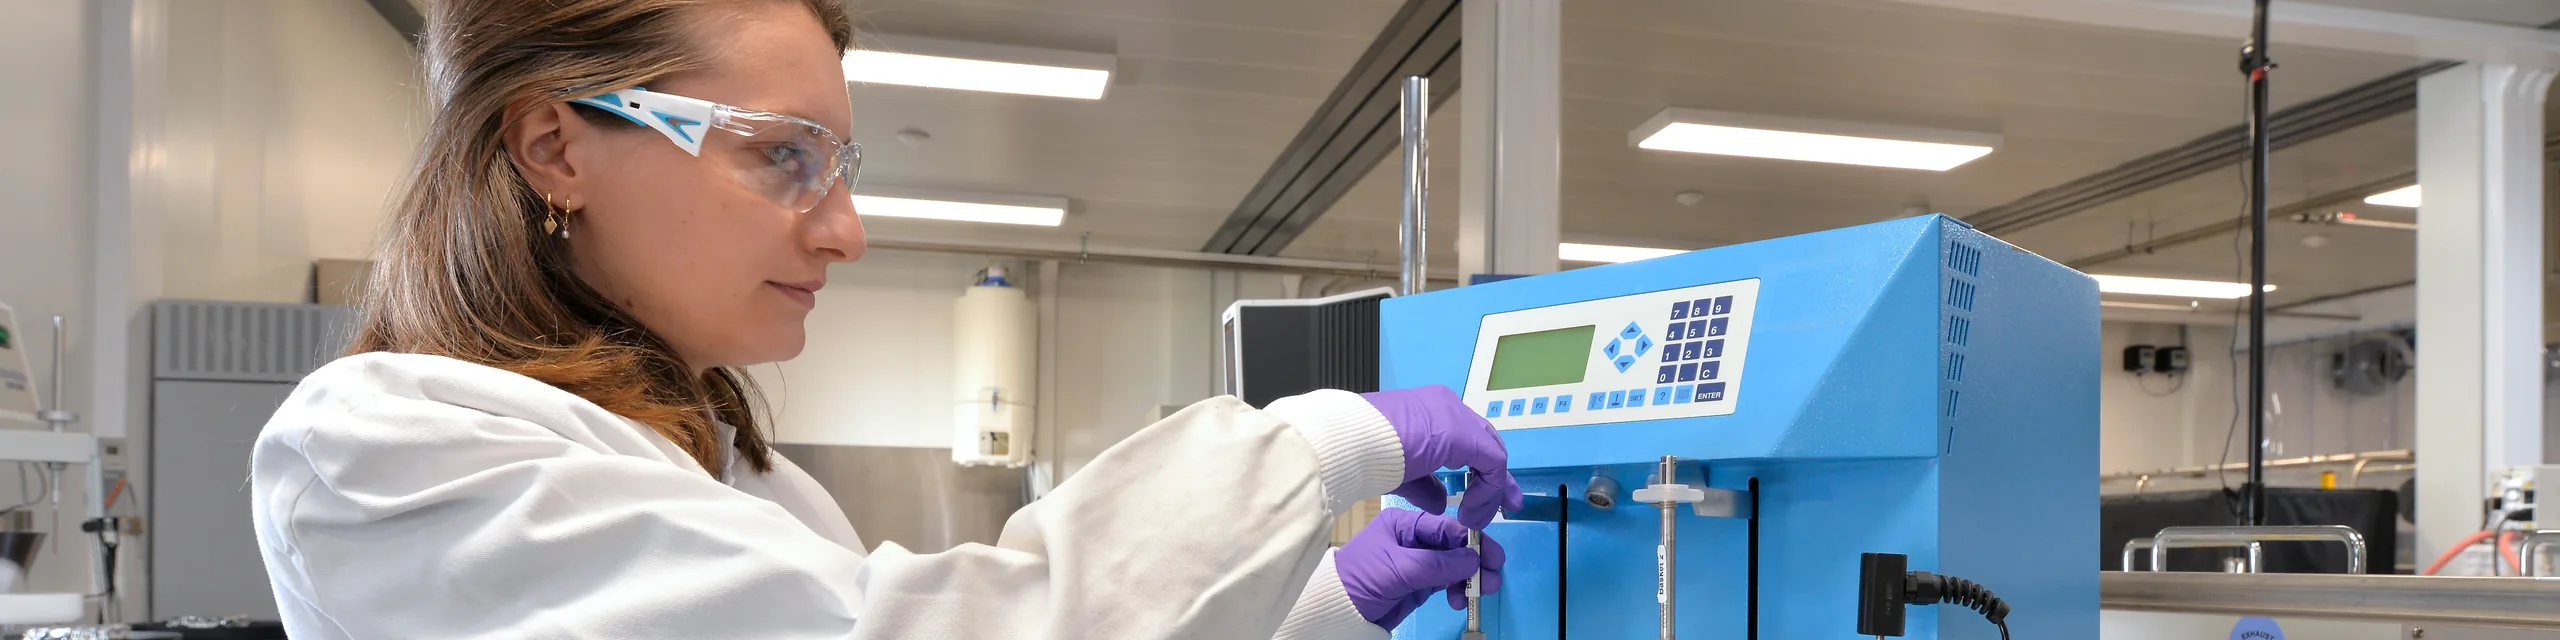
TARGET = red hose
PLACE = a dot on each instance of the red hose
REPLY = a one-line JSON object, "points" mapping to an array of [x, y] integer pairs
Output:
{"points": [[2455, 551], [2506, 548]]}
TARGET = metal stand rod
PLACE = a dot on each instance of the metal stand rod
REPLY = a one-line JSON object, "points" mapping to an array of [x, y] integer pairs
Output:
{"points": [[2255, 64], [1669, 558], [1417, 151]]}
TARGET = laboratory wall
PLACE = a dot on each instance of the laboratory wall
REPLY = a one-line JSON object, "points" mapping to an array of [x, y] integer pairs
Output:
{"points": [[878, 367], [2158, 421], [287, 128], [47, 171]]}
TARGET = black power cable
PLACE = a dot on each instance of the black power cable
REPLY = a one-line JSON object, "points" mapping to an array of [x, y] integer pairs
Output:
{"points": [[1884, 588]]}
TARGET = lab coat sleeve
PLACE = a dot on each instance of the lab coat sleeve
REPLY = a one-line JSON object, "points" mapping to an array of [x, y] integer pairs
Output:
{"points": [[1324, 611], [1205, 525]]}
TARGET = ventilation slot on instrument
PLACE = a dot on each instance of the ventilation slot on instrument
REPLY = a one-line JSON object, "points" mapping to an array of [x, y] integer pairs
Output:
{"points": [[1959, 330], [1952, 397], [1955, 367], [1964, 258], [1960, 294]]}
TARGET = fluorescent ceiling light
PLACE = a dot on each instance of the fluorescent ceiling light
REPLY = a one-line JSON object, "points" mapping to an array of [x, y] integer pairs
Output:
{"points": [[1785, 138], [1609, 253], [1043, 211], [971, 66], [2401, 197], [2140, 286]]}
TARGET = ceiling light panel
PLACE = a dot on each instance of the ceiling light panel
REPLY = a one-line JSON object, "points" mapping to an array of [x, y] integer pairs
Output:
{"points": [[972, 66], [2140, 286], [1040, 211], [1787, 138], [2401, 197], [1577, 252]]}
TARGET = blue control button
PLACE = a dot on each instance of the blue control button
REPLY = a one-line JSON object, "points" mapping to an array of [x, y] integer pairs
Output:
{"points": [[1681, 395], [1635, 398], [1699, 308], [1631, 331], [1688, 371], [1617, 399], [1623, 362], [1610, 350], [1564, 403], [1643, 344], [1724, 305], [1661, 396], [1664, 376], [1714, 349], [1677, 329], [1710, 392], [1689, 351], [1715, 328], [1679, 309], [1599, 400], [1707, 370], [1493, 410], [1670, 353], [1538, 406], [1517, 405], [1699, 329]]}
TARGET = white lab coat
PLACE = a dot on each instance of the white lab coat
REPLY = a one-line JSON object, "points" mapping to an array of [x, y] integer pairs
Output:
{"points": [[411, 496]]}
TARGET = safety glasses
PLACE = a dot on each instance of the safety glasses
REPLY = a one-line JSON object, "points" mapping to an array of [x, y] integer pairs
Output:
{"points": [[790, 160]]}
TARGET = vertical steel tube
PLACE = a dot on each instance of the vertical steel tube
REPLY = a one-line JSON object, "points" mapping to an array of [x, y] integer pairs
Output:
{"points": [[1669, 561], [58, 339], [1417, 151], [2254, 63]]}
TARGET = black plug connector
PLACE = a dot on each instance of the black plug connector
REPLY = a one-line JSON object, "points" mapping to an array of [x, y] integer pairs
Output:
{"points": [[1884, 588]]}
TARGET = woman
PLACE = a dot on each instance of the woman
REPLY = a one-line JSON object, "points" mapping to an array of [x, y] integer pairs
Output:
{"points": [[542, 432]]}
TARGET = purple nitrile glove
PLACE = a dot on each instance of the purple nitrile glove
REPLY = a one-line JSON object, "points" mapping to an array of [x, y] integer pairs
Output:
{"points": [[1439, 430], [1402, 557]]}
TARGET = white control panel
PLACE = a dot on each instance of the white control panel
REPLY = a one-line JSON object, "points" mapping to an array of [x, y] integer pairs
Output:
{"points": [[1648, 356]]}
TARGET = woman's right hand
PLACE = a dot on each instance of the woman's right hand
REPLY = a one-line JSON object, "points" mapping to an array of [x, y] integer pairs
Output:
{"points": [[1439, 430]]}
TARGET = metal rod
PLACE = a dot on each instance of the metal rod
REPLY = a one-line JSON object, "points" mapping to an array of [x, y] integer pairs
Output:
{"points": [[2499, 602], [2254, 64], [56, 374], [1669, 550], [2393, 455], [2212, 537], [1417, 158]]}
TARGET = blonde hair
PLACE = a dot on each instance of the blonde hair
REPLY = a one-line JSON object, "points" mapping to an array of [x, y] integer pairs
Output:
{"points": [[465, 270]]}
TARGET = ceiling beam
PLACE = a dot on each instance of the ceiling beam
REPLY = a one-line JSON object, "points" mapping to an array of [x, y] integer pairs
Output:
{"points": [[2299, 24], [1349, 134]]}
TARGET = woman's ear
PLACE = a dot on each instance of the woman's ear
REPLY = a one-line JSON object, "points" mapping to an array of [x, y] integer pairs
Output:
{"points": [[539, 144]]}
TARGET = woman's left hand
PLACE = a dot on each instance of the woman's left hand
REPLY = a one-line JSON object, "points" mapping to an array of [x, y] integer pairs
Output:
{"points": [[1402, 557]]}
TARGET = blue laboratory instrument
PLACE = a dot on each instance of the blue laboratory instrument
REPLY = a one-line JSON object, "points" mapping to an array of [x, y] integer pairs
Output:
{"points": [[1910, 387]]}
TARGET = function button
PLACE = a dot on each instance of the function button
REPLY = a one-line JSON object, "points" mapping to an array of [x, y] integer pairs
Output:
{"points": [[1724, 305], [1689, 351], [1670, 353], [1635, 397], [1699, 329], [1677, 329], [1707, 370], [1698, 308], [1682, 394], [1643, 344], [1564, 403], [1714, 349], [1688, 371], [1518, 404], [1538, 406], [1599, 400], [1666, 374], [1630, 332], [1493, 410], [1623, 362], [1715, 328], [1617, 399], [1610, 350], [1679, 309], [1710, 392], [1661, 396]]}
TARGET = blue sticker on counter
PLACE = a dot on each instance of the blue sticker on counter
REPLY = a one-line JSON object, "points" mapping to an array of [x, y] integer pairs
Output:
{"points": [[2257, 629]]}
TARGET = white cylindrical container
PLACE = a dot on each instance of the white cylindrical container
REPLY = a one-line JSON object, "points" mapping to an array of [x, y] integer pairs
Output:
{"points": [[995, 337]]}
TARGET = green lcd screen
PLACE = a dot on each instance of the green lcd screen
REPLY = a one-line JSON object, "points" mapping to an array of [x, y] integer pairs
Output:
{"points": [[1554, 356]]}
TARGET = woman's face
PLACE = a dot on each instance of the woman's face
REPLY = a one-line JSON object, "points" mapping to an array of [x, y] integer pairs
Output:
{"points": [[724, 274]]}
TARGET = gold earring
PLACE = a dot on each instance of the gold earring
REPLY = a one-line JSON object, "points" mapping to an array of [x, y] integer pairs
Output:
{"points": [[555, 217]]}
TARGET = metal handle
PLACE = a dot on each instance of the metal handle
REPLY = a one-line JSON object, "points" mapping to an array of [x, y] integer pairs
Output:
{"points": [[1417, 151], [2534, 541], [2129, 546], [2211, 537]]}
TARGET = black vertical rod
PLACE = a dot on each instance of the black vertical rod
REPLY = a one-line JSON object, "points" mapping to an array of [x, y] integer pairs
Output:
{"points": [[2255, 65], [1564, 517], [1751, 602]]}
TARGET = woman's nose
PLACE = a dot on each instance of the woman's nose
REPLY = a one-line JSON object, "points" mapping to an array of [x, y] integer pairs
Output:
{"points": [[835, 229]]}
